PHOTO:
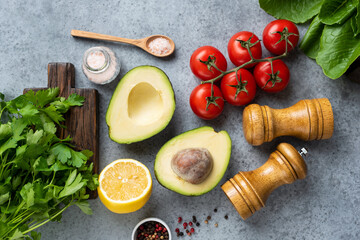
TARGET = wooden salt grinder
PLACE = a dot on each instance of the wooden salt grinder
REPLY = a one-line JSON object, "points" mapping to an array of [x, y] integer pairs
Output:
{"points": [[307, 120], [248, 191]]}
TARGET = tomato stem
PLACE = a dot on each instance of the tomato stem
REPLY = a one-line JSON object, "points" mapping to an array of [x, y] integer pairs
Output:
{"points": [[212, 99], [240, 87], [210, 62], [285, 34]]}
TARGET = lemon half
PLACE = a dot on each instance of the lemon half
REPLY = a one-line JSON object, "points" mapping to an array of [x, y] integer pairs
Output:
{"points": [[125, 185]]}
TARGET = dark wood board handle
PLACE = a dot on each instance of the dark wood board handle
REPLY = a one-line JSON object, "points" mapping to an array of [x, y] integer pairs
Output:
{"points": [[81, 122], [61, 75]]}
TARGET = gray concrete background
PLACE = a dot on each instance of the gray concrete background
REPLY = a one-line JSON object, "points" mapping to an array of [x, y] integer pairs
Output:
{"points": [[325, 205]]}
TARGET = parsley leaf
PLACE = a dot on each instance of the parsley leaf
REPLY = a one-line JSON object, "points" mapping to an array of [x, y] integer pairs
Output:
{"points": [[33, 138], [44, 97], [4, 198], [62, 152], [53, 114], [41, 175], [75, 185], [63, 105], [78, 158], [75, 100], [84, 206]]}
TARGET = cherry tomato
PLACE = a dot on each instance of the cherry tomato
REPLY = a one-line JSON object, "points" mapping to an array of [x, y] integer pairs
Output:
{"points": [[236, 94], [272, 82], [207, 54], [272, 36], [199, 98], [240, 55]]}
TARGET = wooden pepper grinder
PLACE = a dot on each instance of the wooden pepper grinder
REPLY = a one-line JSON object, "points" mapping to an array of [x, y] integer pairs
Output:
{"points": [[307, 120], [248, 191]]}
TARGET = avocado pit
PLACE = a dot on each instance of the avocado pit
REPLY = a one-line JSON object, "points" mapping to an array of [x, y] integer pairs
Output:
{"points": [[192, 164]]}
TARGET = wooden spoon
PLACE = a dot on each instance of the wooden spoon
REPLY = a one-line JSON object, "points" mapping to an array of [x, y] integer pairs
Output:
{"points": [[141, 43]]}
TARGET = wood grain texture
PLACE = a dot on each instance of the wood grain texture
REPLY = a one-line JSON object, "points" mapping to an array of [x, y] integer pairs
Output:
{"points": [[307, 120], [81, 122], [248, 191]]}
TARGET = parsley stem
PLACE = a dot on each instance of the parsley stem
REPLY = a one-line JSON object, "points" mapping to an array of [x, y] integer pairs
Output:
{"points": [[18, 209], [2, 110], [19, 217], [33, 227], [22, 221]]}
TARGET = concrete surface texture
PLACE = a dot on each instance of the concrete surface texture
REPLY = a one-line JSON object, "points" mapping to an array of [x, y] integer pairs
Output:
{"points": [[325, 205]]}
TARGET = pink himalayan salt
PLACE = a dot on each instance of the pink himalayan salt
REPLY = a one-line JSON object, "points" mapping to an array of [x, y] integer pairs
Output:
{"points": [[96, 59], [160, 46]]}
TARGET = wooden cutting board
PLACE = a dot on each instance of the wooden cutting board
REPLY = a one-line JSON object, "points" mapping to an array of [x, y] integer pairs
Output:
{"points": [[81, 122]]}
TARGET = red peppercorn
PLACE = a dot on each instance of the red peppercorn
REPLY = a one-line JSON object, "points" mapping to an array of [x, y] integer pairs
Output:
{"points": [[192, 230], [157, 225], [164, 230], [157, 236], [185, 224], [179, 220], [190, 224], [177, 230], [146, 235], [141, 227]]}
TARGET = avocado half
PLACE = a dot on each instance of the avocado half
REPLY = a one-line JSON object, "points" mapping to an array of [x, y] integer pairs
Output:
{"points": [[218, 144], [142, 105]]}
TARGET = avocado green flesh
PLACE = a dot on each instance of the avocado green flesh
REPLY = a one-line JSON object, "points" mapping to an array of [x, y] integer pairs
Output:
{"points": [[142, 105], [218, 144]]}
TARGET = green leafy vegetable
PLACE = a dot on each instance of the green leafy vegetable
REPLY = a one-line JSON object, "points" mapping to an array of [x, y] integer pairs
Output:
{"points": [[297, 11], [72, 186], [310, 43], [4, 198], [40, 174], [355, 22], [338, 49], [84, 206], [336, 11], [62, 105]]}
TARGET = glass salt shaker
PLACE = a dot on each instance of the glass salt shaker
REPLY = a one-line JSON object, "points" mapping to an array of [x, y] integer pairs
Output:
{"points": [[100, 65]]}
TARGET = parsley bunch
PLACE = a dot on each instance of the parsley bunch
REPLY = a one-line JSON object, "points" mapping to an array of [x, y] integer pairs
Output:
{"points": [[40, 174]]}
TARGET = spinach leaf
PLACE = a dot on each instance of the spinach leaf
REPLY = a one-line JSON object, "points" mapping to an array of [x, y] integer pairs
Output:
{"points": [[355, 22], [338, 49], [310, 43], [336, 11], [298, 11]]}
